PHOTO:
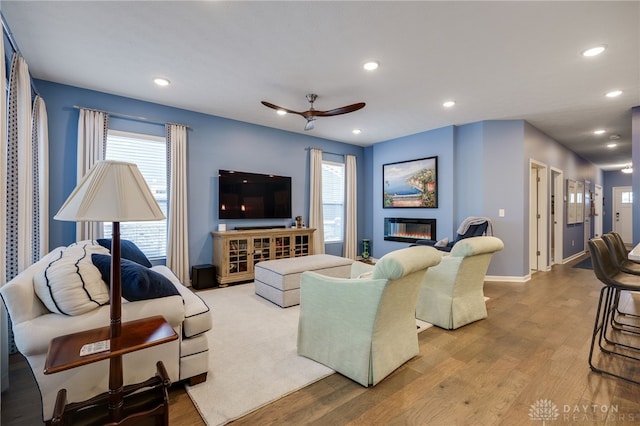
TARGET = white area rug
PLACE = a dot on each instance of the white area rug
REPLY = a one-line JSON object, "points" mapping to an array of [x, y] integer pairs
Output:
{"points": [[252, 355]]}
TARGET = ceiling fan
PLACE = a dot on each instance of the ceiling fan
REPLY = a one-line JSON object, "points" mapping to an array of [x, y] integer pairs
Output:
{"points": [[312, 113]]}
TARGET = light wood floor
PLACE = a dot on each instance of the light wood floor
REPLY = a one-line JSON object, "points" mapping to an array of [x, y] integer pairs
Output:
{"points": [[533, 347]]}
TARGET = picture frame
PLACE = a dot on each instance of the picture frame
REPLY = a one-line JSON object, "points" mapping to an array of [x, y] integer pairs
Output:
{"points": [[571, 201], [410, 184]]}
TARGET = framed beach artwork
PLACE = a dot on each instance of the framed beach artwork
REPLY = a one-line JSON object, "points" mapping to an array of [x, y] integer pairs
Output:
{"points": [[410, 184]]}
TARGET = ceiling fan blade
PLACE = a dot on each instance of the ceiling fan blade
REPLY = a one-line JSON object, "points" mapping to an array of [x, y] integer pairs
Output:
{"points": [[276, 107], [310, 124], [338, 111]]}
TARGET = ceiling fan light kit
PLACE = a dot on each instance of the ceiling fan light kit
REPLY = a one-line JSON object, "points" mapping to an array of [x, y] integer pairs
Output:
{"points": [[311, 114]]}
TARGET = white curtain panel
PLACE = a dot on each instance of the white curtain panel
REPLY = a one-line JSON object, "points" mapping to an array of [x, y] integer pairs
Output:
{"points": [[40, 141], [4, 319], [4, 167], [20, 170], [178, 224], [351, 209], [92, 143], [316, 219]]}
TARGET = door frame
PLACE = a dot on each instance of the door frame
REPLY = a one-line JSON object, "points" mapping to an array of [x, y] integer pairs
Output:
{"points": [[538, 216], [557, 180], [597, 208], [587, 214]]}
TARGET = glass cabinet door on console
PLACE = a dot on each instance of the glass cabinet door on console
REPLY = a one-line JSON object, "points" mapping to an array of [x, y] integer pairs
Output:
{"points": [[282, 246], [301, 247], [238, 256], [261, 249]]}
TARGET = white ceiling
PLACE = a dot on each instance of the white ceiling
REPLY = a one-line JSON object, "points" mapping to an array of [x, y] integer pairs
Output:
{"points": [[498, 60]]}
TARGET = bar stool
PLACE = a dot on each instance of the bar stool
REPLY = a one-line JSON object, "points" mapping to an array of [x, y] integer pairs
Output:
{"points": [[619, 255], [616, 340]]}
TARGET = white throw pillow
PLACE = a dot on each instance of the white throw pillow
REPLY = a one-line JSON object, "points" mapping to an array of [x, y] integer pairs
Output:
{"points": [[442, 243], [71, 284]]}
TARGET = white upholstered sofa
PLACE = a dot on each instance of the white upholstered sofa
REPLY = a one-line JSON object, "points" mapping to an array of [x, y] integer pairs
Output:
{"points": [[34, 325]]}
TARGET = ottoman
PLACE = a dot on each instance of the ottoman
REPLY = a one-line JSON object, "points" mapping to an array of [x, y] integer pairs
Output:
{"points": [[279, 280]]}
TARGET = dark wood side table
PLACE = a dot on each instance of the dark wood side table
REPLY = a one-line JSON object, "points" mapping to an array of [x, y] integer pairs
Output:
{"points": [[64, 354]]}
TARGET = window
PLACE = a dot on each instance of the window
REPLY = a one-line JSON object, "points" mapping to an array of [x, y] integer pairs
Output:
{"points": [[627, 197], [149, 153], [333, 201]]}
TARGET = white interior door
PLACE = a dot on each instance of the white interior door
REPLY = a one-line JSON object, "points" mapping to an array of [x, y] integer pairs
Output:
{"points": [[622, 212], [538, 217], [597, 208]]}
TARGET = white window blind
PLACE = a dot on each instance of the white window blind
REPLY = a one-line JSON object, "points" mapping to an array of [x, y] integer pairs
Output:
{"points": [[149, 153], [333, 201]]}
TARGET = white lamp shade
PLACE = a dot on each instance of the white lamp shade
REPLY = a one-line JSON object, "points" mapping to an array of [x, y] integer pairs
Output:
{"points": [[112, 191]]}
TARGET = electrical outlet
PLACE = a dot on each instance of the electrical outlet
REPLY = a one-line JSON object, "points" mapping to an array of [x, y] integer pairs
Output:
{"points": [[573, 243]]}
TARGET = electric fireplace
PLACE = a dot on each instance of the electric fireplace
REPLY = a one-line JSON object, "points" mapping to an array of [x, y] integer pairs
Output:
{"points": [[409, 230]]}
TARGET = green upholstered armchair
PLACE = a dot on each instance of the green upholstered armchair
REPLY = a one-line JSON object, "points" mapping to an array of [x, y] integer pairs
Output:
{"points": [[364, 328], [452, 293]]}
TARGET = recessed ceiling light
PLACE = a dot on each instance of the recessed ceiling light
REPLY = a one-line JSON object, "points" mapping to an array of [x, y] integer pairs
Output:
{"points": [[599, 131], [449, 104], [281, 112], [613, 93], [161, 81], [594, 51], [614, 137], [371, 65], [612, 145], [356, 131]]}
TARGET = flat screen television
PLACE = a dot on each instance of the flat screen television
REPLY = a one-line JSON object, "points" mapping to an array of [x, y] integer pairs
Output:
{"points": [[244, 195]]}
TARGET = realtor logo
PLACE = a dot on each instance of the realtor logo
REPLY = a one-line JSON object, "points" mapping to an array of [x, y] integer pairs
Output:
{"points": [[545, 410]]}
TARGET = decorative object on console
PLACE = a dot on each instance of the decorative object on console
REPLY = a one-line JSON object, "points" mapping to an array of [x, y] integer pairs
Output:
{"points": [[365, 249], [114, 192], [299, 223], [409, 184]]}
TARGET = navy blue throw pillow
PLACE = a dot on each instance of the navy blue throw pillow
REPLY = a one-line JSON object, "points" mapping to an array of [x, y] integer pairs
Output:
{"points": [[128, 250], [138, 282]]}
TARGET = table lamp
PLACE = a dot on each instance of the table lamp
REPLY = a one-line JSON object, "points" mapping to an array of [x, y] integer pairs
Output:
{"points": [[112, 191]]}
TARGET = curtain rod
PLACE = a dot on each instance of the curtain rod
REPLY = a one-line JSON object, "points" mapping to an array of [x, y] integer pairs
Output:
{"points": [[132, 117], [325, 152], [14, 46]]}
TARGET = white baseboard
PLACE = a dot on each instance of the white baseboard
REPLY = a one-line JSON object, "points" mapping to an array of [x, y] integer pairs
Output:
{"points": [[574, 257], [507, 279]]}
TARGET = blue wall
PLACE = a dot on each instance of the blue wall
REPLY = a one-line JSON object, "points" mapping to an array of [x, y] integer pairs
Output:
{"points": [[440, 143], [540, 147], [482, 167], [213, 143]]}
